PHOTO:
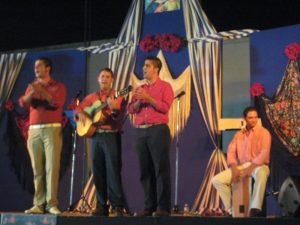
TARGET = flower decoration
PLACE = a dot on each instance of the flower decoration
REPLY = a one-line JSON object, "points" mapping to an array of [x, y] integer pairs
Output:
{"points": [[148, 44], [292, 51], [257, 89], [166, 42], [9, 105]]}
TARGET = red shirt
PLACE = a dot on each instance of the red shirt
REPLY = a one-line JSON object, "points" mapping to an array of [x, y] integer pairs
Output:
{"points": [[45, 113], [111, 123], [250, 146], [163, 94]]}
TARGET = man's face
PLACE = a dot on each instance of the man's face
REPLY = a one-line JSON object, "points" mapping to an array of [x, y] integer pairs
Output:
{"points": [[251, 119], [105, 80], [149, 70], [40, 69]]}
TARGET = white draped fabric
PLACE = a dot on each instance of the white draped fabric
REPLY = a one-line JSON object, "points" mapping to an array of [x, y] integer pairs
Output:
{"points": [[10, 65], [122, 61], [205, 61]]}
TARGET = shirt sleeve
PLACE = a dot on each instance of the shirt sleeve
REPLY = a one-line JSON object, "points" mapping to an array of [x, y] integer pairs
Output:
{"points": [[87, 101], [264, 154], [163, 105], [232, 151], [130, 106], [22, 103], [59, 96]]}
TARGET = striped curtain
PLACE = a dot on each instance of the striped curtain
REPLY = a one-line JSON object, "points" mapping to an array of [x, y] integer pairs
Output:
{"points": [[205, 61], [10, 65]]}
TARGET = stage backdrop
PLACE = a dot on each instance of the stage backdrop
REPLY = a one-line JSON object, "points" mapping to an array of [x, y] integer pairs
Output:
{"points": [[69, 67]]}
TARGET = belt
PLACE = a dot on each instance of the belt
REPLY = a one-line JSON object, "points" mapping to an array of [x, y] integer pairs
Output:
{"points": [[106, 131], [143, 126], [36, 126]]}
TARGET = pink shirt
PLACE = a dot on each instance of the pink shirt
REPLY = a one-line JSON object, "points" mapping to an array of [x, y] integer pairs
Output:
{"points": [[250, 146], [42, 113], [163, 94], [111, 123]]}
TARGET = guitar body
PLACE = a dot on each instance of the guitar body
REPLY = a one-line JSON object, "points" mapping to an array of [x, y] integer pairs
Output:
{"points": [[87, 129], [96, 116]]}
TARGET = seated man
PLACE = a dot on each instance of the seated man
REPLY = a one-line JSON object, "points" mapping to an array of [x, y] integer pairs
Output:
{"points": [[248, 155]]}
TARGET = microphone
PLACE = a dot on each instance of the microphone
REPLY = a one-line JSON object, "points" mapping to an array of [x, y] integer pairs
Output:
{"points": [[180, 94], [78, 94]]}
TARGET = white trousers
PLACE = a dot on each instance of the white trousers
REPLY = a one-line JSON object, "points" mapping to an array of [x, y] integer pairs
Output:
{"points": [[222, 182]]}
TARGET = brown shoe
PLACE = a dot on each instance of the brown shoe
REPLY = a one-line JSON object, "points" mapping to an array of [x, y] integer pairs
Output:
{"points": [[255, 212], [161, 212], [143, 213]]}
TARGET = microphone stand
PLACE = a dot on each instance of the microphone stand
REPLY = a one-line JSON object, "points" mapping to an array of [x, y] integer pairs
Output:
{"points": [[176, 206], [74, 135]]}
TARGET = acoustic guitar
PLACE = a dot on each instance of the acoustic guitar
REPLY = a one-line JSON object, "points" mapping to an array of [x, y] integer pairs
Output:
{"points": [[95, 115]]}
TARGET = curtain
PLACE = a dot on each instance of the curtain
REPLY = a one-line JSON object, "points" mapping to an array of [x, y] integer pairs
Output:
{"points": [[122, 61], [10, 65]]}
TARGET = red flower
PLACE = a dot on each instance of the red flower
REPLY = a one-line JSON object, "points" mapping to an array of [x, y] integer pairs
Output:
{"points": [[257, 89], [292, 51], [9, 105], [166, 42], [293, 133], [147, 44]]}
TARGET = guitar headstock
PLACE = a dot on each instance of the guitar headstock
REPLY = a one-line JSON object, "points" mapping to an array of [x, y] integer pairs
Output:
{"points": [[124, 91]]}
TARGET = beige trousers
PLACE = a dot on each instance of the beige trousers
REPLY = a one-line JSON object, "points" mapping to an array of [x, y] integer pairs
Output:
{"points": [[222, 182], [44, 146]]}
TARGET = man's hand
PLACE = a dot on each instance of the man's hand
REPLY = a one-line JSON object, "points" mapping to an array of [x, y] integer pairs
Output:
{"points": [[141, 94], [236, 174], [248, 170], [82, 117], [36, 87], [112, 103]]}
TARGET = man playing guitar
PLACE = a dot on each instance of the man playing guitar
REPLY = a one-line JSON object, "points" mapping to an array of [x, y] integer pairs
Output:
{"points": [[105, 143]]}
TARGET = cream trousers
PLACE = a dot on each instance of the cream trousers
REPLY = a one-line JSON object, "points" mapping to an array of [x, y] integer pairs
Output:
{"points": [[44, 146], [222, 182]]}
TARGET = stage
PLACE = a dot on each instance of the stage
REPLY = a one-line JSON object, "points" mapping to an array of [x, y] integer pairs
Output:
{"points": [[83, 219]]}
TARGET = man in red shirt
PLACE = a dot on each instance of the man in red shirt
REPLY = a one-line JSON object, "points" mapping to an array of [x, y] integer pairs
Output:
{"points": [[150, 105], [248, 154], [45, 98], [106, 145]]}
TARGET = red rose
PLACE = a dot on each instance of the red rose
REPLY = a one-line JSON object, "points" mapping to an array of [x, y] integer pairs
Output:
{"points": [[9, 105], [292, 51], [257, 89]]}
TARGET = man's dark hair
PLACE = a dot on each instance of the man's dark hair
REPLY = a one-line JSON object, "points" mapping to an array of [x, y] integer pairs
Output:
{"points": [[47, 62], [249, 109], [106, 69], [156, 62]]}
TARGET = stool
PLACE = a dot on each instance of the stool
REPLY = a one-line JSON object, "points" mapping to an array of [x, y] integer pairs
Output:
{"points": [[240, 198], [241, 195]]}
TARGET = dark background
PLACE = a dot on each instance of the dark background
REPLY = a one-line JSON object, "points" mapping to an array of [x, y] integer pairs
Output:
{"points": [[28, 24]]}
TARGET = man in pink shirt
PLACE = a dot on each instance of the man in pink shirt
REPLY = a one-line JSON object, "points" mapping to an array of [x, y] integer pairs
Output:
{"points": [[150, 105], [248, 154], [45, 98]]}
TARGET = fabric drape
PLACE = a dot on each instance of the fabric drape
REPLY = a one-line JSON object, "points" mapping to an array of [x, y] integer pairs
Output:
{"points": [[10, 65]]}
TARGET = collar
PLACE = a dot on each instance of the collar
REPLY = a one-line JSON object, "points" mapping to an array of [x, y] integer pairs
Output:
{"points": [[157, 81]]}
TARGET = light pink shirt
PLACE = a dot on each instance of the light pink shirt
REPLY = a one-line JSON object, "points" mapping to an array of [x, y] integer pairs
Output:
{"points": [[250, 146]]}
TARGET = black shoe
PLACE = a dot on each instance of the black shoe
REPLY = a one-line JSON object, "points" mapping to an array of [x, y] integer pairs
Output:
{"points": [[99, 212], [117, 211], [161, 212], [255, 213], [143, 213]]}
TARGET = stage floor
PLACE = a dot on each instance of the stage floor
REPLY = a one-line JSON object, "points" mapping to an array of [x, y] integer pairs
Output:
{"points": [[83, 219]]}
